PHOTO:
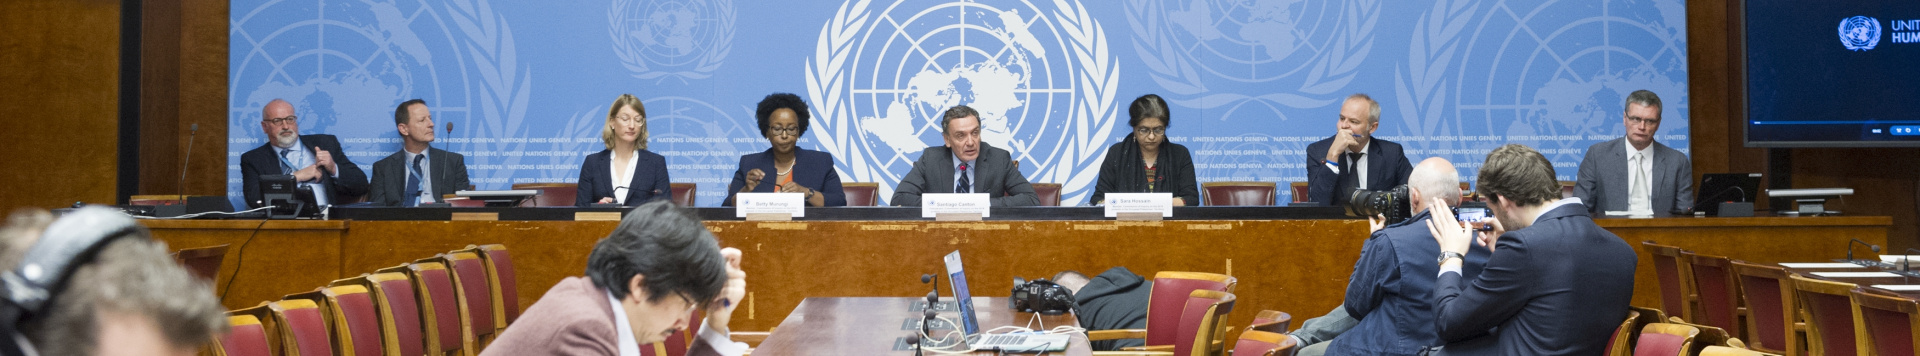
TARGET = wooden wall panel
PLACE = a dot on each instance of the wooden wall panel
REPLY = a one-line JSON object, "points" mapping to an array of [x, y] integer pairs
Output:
{"points": [[60, 110]]}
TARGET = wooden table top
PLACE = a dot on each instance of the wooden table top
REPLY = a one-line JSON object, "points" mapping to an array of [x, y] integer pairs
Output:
{"points": [[1865, 282], [874, 325]]}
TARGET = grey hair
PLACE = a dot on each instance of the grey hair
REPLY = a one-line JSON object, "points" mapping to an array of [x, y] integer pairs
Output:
{"points": [[1434, 181], [129, 277], [1373, 107], [1644, 98]]}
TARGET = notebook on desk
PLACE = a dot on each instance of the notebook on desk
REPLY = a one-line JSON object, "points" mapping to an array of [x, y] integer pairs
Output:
{"points": [[1017, 342]]}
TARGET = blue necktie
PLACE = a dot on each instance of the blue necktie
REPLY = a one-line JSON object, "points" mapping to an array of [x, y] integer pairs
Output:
{"points": [[965, 185], [413, 184], [286, 163]]}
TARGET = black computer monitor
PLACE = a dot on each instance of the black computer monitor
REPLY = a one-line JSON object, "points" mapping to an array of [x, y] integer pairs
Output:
{"points": [[1716, 188]]}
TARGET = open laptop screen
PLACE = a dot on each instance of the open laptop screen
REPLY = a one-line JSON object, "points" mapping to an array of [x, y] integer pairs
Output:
{"points": [[961, 296]]}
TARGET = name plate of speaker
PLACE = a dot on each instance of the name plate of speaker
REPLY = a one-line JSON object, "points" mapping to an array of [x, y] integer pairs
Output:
{"points": [[1152, 203], [792, 204], [932, 205]]}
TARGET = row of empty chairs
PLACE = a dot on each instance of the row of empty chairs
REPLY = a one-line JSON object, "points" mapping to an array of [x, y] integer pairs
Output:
{"points": [[1187, 314], [1781, 308]]}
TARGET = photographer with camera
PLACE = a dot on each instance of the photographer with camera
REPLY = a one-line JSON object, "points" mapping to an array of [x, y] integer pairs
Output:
{"points": [[1387, 307]]}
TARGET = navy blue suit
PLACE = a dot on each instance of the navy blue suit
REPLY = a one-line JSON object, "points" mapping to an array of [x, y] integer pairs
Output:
{"points": [[262, 160], [649, 179], [1391, 288], [811, 169], [1387, 167], [1558, 287]]}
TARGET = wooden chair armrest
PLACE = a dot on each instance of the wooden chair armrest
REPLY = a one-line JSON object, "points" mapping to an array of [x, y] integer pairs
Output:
{"points": [[1153, 348], [752, 338], [1133, 353], [1098, 335]]}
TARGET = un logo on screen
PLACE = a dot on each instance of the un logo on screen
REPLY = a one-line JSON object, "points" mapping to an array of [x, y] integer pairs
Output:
{"points": [[1040, 75], [1860, 33], [686, 39]]}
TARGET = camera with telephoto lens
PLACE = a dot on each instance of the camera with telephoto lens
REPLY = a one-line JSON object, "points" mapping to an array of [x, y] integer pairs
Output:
{"points": [[1392, 203]]}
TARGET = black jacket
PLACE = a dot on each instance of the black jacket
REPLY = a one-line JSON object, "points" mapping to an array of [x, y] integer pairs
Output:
{"points": [[1558, 287], [1387, 167], [1116, 299], [1123, 172], [389, 182], [351, 183]]}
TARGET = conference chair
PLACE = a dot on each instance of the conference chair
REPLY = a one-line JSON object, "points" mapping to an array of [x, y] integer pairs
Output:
{"points": [[1236, 193], [861, 193], [1271, 321], [1263, 343], [1709, 336], [1048, 193], [1772, 320], [1730, 351], [1299, 190], [1164, 307], [168, 199], [1621, 343], [303, 328], [551, 194], [356, 326], [1676, 291], [1713, 283], [1833, 322], [683, 193], [500, 277], [1895, 321], [475, 297], [440, 312], [246, 337], [204, 262], [1663, 339], [399, 312], [1201, 314]]}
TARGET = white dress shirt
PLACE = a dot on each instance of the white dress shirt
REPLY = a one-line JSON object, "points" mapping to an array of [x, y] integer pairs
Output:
{"points": [[298, 157], [621, 178], [1359, 165], [957, 173]]}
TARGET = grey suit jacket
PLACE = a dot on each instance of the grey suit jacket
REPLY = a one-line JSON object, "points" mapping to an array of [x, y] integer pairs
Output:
{"points": [[993, 174], [390, 176], [1603, 178]]}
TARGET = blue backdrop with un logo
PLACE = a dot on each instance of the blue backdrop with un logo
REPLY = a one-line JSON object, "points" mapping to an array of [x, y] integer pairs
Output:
{"points": [[526, 85]]}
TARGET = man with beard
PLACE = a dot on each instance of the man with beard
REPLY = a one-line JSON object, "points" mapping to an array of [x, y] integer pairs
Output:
{"points": [[315, 161]]}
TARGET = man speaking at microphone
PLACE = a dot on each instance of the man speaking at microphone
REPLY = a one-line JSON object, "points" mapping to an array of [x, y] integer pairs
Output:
{"points": [[314, 160], [965, 165], [419, 173]]}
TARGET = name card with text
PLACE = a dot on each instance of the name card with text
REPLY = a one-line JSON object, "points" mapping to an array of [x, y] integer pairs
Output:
{"points": [[794, 204], [1155, 203], [932, 205]]}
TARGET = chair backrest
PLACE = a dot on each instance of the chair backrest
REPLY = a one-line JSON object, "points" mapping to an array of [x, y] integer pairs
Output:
{"points": [[475, 295], [204, 262], [1049, 193], [1201, 316], [168, 199], [1271, 321], [1663, 339], [683, 193], [1676, 292], [1237, 193], [1831, 318], [1709, 335], [1895, 321], [1299, 190], [506, 294], [1729, 351], [303, 328], [1621, 344], [399, 312], [1169, 296], [246, 338], [1262, 343], [861, 193], [1566, 189], [1713, 281], [439, 307], [551, 194], [356, 325], [1770, 307]]}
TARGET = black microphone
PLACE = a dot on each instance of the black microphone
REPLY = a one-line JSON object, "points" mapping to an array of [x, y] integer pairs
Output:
{"points": [[915, 341], [192, 131], [1875, 248], [1906, 262], [442, 164]]}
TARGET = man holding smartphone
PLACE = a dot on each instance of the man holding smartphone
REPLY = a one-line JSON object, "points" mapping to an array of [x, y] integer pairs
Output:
{"points": [[1387, 305]]}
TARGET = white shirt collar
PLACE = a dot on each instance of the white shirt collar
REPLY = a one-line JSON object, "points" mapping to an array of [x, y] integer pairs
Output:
{"points": [[1555, 205], [1630, 151], [629, 346]]}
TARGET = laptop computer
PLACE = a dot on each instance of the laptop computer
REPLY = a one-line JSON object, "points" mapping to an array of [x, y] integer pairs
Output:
{"points": [[1716, 188], [1016, 342]]}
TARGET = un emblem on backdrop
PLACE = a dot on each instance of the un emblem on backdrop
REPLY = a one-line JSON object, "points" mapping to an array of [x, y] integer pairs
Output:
{"points": [[1860, 33], [685, 39], [1317, 43], [1040, 75]]}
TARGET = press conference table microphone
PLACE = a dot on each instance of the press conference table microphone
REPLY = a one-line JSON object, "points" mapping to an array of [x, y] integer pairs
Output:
{"points": [[1906, 262], [1875, 248]]}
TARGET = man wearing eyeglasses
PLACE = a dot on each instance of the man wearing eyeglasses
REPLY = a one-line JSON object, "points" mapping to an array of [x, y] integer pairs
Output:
{"points": [[1636, 175], [1353, 158], [315, 161]]}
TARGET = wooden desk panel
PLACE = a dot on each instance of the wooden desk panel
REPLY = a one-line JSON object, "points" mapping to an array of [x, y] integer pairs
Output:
{"points": [[1762, 240], [284, 257]]}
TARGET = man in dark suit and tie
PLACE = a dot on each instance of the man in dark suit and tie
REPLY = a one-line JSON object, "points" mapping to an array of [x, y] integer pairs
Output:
{"points": [[1636, 174], [965, 165], [402, 179], [1353, 158], [1556, 284], [315, 161]]}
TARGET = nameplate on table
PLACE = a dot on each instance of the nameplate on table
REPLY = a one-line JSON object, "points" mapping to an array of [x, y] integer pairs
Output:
{"points": [[1133, 204], [1899, 287], [1856, 274], [1898, 258], [1821, 265], [766, 205], [954, 205]]}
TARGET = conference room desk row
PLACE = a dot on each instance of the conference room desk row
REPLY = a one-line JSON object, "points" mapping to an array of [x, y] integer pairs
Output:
{"points": [[1293, 259]]}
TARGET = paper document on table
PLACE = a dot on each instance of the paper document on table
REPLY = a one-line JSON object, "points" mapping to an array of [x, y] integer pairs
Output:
{"points": [[1855, 274], [1821, 265], [1898, 287]]}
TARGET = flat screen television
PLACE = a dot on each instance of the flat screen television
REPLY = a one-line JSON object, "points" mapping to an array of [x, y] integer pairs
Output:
{"points": [[1832, 73]]}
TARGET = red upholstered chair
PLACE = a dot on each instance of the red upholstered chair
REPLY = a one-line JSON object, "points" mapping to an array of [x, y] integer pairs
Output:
{"points": [[475, 295], [683, 193], [551, 194], [1263, 343], [157, 200], [1164, 307], [1730, 351], [1895, 321], [1713, 282], [204, 262], [439, 306], [1271, 321], [246, 338], [394, 299], [861, 194], [1202, 316], [1621, 344], [1049, 193], [356, 324], [303, 328], [500, 275], [1237, 193], [1676, 289], [1772, 320], [1662, 339], [1299, 190], [1832, 320]]}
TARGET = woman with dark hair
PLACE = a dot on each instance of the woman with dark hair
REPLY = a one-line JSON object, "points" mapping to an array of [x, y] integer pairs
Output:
{"points": [[1145, 162], [783, 118], [625, 173]]}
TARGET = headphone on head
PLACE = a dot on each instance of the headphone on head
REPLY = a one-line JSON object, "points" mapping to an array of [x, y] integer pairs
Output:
{"points": [[26, 290], [1041, 296]]}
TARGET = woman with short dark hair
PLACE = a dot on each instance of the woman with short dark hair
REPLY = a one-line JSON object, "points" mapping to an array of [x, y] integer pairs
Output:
{"points": [[1144, 162], [783, 118]]}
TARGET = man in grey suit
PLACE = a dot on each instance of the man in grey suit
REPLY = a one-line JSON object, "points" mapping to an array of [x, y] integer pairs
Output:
{"points": [[418, 173], [1635, 174], [964, 165]]}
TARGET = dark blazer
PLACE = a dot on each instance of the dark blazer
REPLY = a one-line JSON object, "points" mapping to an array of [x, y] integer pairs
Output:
{"points": [[1114, 300], [649, 179], [573, 318], [811, 169], [1387, 167], [351, 183], [1123, 172], [993, 173], [1390, 291], [1602, 181], [390, 176], [1558, 287]]}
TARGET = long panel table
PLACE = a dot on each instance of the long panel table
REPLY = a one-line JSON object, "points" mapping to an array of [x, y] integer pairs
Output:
{"points": [[1295, 260]]}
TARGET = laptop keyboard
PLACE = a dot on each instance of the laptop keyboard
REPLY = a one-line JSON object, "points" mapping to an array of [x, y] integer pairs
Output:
{"points": [[1004, 339]]}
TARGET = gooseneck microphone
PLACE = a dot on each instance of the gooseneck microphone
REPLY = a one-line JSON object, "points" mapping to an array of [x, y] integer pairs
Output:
{"points": [[187, 161], [1875, 248], [1906, 262], [443, 164]]}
